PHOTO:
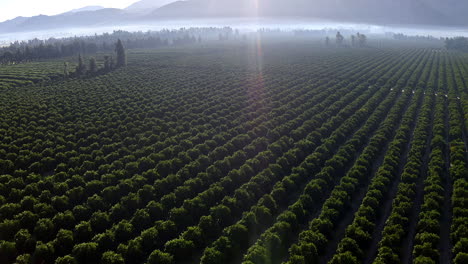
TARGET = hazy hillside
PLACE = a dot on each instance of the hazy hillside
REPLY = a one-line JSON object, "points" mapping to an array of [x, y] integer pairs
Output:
{"points": [[148, 5], [72, 19], [385, 12], [369, 11], [86, 8]]}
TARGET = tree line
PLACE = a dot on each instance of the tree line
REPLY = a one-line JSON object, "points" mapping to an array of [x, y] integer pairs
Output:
{"points": [[18, 53], [33, 50], [358, 40], [82, 69], [457, 43]]}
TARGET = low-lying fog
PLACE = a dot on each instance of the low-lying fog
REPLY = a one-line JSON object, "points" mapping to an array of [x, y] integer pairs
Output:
{"points": [[243, 24]]}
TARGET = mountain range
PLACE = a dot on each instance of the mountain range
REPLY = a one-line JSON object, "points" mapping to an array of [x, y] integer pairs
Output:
{"points": [[380, 12], [146, 6], [86, 8]]}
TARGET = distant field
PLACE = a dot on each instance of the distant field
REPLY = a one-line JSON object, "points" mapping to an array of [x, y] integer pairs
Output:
{"points": [[29, 73], [252, 153]]}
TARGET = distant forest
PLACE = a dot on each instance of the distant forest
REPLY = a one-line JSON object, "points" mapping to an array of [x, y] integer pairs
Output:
{"points": [[400, 36], [457, 43], [36, 49]]}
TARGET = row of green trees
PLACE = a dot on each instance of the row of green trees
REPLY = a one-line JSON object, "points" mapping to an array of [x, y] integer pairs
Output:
{"points": [[278, 228], [458, 160], [185, 242], [69, 201], [58, 179], [313, 197], [359, 234], [261, 215], [213, 173], [280, 201], [221, 249], [314, 241], [332, 169], [362, 232], [398, 224], [193, 237], [428, 231], [90, 175]]}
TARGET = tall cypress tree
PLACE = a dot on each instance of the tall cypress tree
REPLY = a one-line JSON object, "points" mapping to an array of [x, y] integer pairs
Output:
{"points": [[92, 66], [121, 57], [339, 39], [81, 68], [107, 63], [65, 70]]}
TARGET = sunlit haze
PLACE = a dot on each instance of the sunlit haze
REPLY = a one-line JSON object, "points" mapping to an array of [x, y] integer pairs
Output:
{"points": [[13, 8]]}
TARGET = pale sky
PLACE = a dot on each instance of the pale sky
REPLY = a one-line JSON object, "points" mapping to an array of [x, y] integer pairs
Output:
{"points": [[12, 8]]}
